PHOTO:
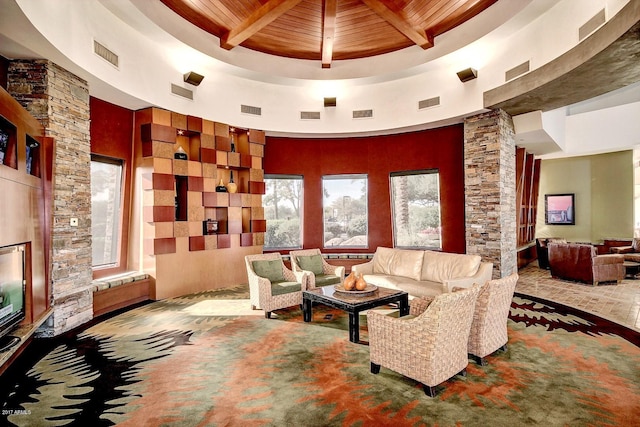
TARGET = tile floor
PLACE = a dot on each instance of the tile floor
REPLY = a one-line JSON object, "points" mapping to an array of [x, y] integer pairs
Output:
{"points": [[619, 303]]}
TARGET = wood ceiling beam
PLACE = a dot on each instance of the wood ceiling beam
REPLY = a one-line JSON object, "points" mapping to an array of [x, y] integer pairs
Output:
{"points": [[328, 31], [418, 36], [260, 18]]}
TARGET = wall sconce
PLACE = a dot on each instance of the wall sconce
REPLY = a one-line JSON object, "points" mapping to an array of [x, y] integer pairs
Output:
{"points": [[330, 102], [467, 74], [193, 78]]}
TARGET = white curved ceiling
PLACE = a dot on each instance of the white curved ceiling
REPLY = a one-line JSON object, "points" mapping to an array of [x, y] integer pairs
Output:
{"points": [[155, 47]]}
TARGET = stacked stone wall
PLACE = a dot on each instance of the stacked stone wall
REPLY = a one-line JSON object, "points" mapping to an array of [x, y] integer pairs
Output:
{"points": [[60, 101], [490, 190]]}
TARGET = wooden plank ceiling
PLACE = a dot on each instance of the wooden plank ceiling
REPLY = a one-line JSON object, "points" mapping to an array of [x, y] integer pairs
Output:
{"points": [[327, 30]]}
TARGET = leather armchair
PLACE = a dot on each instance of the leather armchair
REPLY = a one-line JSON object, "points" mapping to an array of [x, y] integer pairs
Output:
{"points": [[542, 249], [580, 262]]}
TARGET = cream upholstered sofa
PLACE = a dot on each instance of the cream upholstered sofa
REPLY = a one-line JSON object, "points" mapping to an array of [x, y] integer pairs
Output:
{"points": [[424, 273]]}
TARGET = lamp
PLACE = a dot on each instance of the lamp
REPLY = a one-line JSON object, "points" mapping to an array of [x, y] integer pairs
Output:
{"points": [[330, 102], [467, 74], [193, 78]]}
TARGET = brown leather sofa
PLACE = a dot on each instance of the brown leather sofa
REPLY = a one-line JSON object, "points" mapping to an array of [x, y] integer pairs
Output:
{"points": [[630, 253], [581, 262]]}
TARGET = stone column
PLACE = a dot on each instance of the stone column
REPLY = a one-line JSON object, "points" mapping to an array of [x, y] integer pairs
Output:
{"points": [[60, 100], [490, 190]]}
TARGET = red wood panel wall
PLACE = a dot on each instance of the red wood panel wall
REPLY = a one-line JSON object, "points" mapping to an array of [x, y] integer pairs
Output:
{"points": [[377, 157]]}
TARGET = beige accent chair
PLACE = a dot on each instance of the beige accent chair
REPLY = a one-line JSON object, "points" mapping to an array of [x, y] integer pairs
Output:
{"points": [[489, 327], [321, 273], [430, 347], [272, 285]]}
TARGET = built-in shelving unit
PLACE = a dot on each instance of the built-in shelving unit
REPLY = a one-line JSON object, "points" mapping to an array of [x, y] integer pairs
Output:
{"points": [[184, 161]]}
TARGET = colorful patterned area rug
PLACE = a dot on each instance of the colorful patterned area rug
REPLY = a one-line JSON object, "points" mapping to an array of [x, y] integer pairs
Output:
{"points": [[209, 360]]}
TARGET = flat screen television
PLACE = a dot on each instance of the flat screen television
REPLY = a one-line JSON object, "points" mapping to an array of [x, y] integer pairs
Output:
{"points": [[12, 293]]}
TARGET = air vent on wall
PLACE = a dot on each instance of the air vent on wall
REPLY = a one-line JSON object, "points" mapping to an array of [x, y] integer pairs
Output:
{"points": [[516, 71], [105, 53], [362, 114], [591, 25], [248, 109], [428, 103], [180, 91], [310, 115]]}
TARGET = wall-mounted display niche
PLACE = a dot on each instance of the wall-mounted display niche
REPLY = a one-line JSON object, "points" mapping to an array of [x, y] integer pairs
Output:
{"points": [[8, 144], [33, 156]]}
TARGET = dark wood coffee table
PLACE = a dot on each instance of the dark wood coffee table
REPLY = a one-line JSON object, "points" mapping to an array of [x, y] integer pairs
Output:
{"points": [[353, 304]]}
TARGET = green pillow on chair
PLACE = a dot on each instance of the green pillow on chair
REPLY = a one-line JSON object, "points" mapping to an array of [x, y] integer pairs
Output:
{"points": [[269, 269], [312, 263]]}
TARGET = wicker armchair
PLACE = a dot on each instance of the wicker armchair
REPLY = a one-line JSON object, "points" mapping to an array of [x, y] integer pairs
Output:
{"points": [[430, 347], [280, 288], [321, 273], [489, 327]]}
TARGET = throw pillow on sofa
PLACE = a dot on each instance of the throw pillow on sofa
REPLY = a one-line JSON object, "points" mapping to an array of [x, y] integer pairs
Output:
{"points": [[312, 263]]}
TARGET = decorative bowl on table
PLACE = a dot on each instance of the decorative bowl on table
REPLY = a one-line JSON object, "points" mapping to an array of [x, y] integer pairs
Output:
{"points": [[369, 290]]}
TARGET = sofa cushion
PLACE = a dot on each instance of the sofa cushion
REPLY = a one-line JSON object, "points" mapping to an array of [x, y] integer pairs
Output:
{"points": [[398, 262], [441, 266], [312, 263], [270, 269]]}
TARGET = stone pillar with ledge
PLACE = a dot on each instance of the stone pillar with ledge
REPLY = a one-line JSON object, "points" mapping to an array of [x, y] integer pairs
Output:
{"points": [[490, 190], [60, 101]]}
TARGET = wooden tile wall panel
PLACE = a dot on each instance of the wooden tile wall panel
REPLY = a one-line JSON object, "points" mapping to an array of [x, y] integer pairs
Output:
{"points": [[257, 137], [164, 246], [234, 227], [208, 127], [258, 226], [246, 239], [245, 160], [159, 213], [223, 143], [194, 124], [207, 155], [154, 132], [179, 121], [235, 199], [196, 243], [207, 141], [257, 187], [161, 181], [224, 241], [195, 183]]}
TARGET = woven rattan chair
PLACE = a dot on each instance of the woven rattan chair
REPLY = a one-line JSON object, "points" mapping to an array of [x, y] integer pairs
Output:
{"points": [[268, 294], [430, 347], [489, 327], [330, 275]]}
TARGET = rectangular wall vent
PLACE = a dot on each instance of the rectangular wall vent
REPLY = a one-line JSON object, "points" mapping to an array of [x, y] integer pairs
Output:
{"points": [[180, 91], [248, 109], [105, 53], [591, 25], [362, 114], [428, 103], [310, 115], [516, 71]]}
